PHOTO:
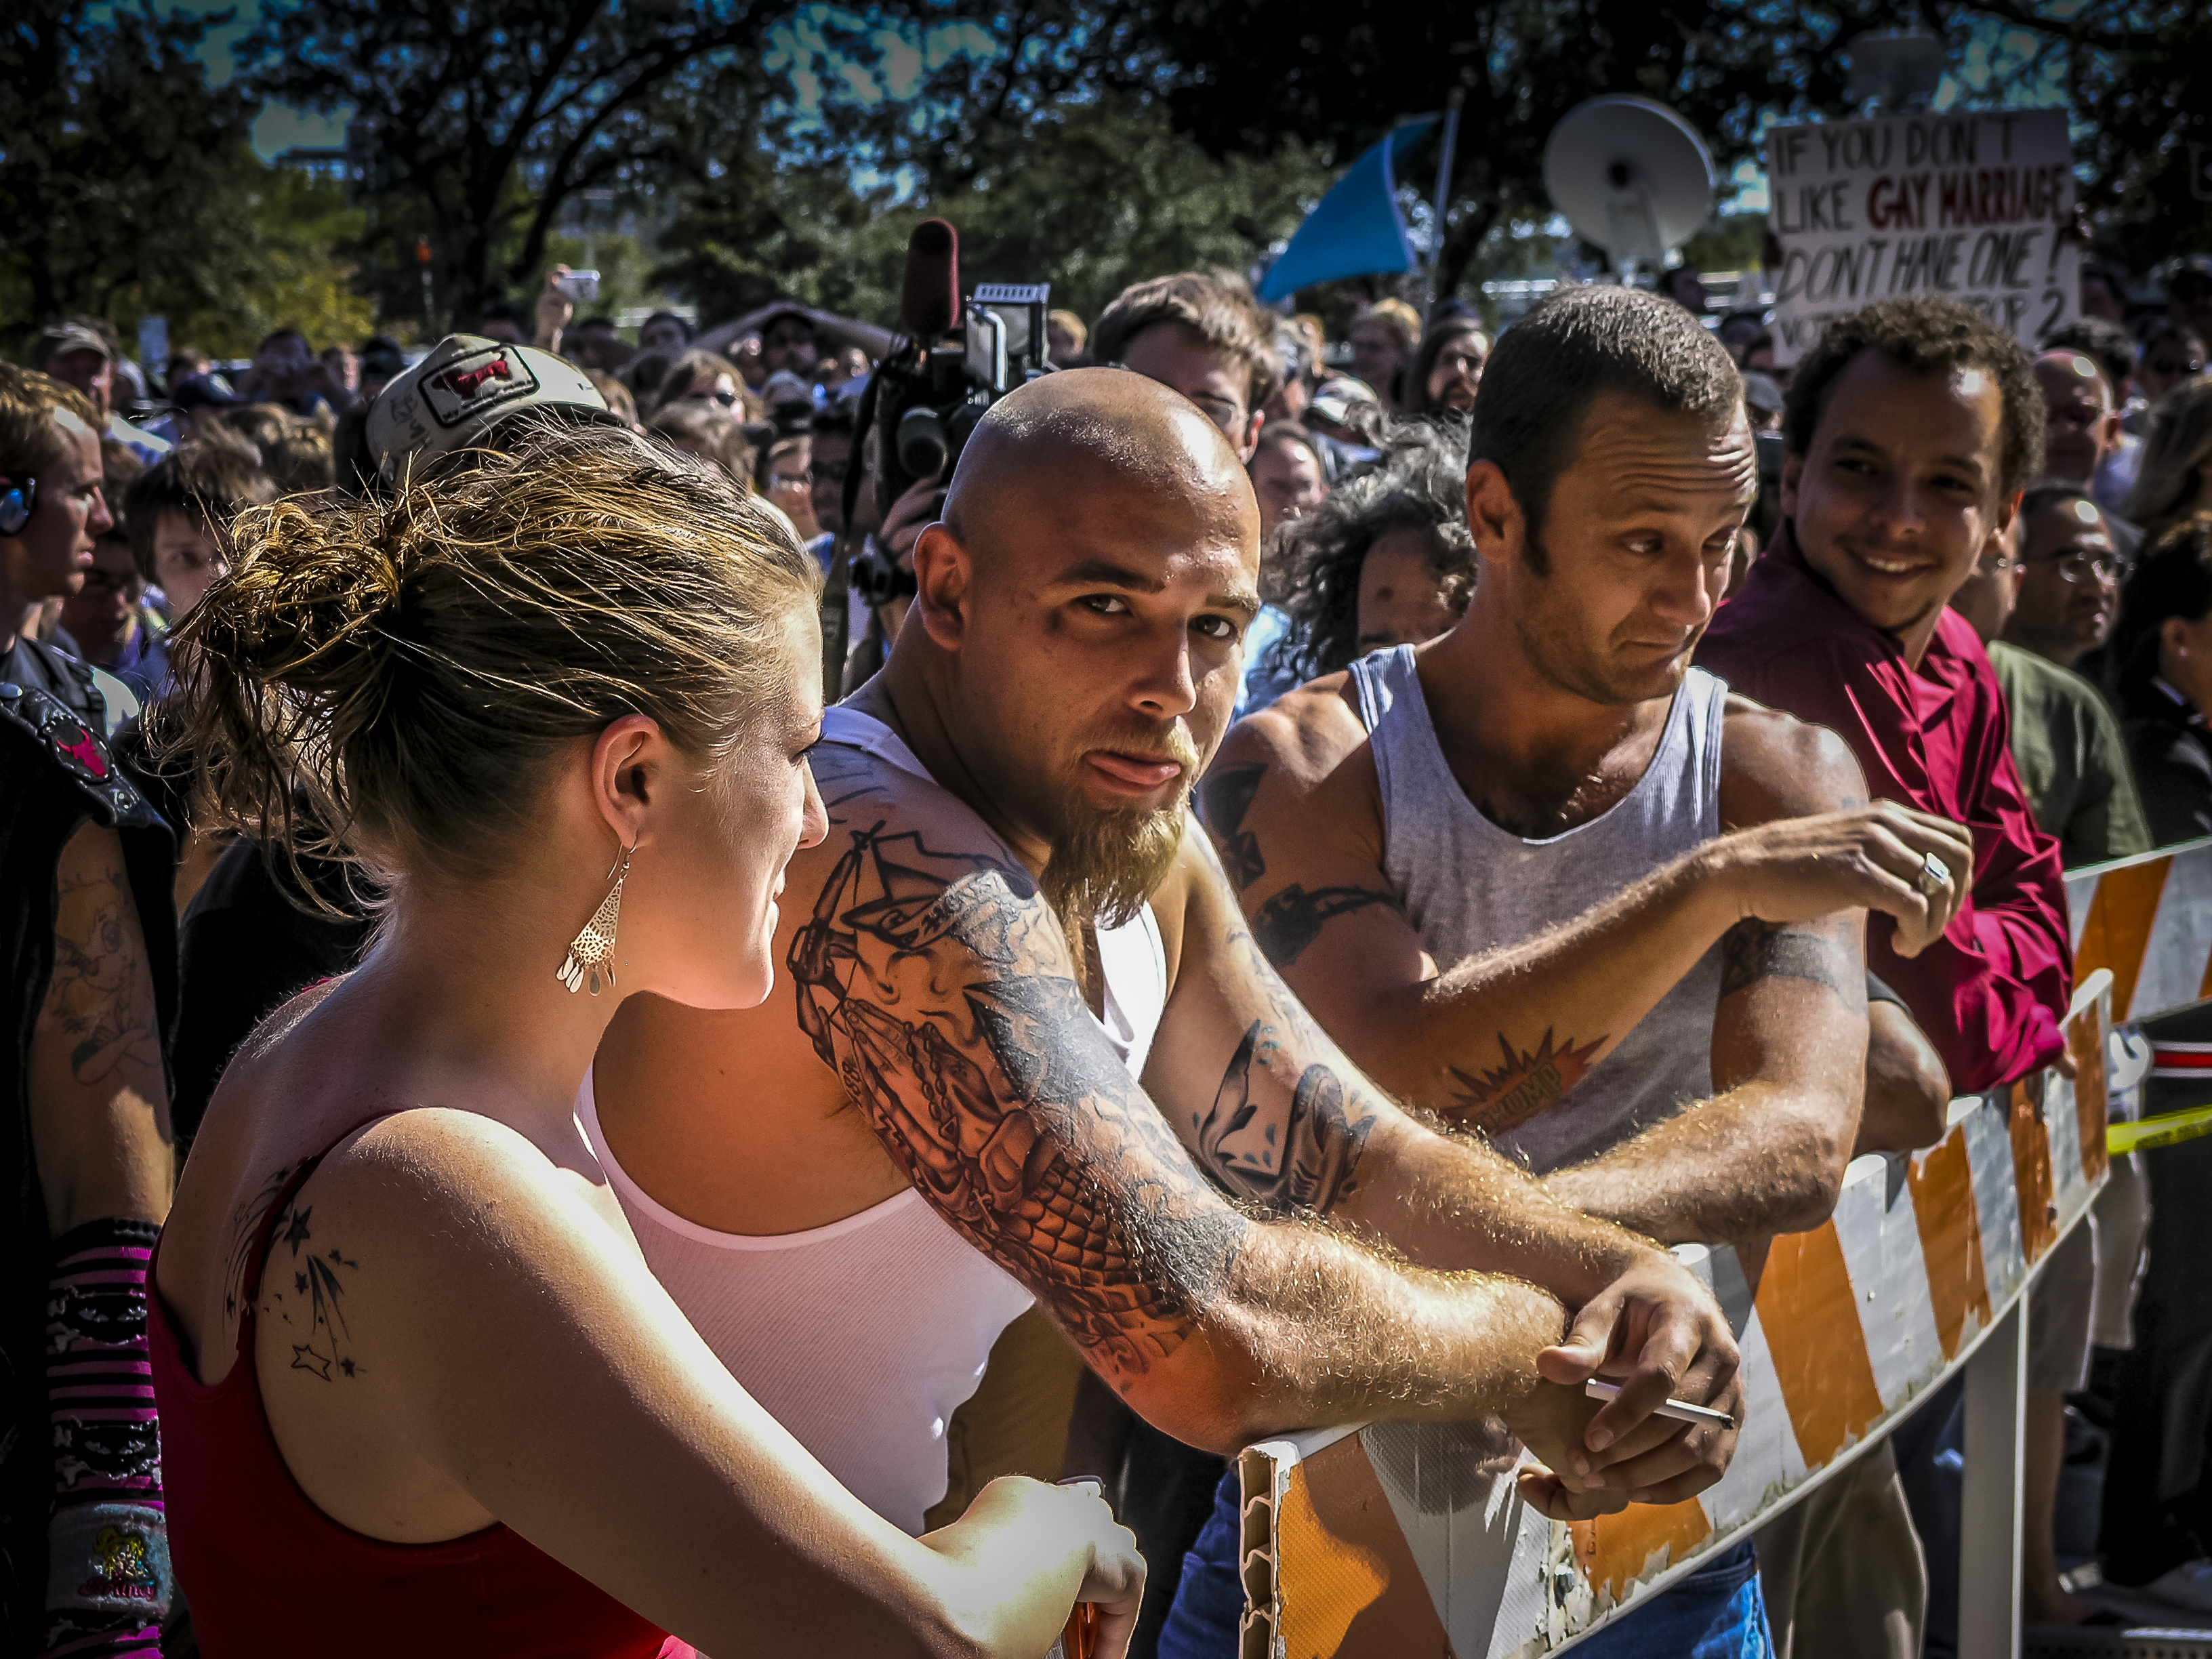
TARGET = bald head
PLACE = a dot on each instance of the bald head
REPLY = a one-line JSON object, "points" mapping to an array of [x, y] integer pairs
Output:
{"points": [[2083, 427], [2065, 373], [1087, 439]]}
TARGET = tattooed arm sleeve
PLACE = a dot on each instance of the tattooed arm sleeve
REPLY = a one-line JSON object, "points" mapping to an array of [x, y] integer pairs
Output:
{"points": [[940, 988], [100, 1117]]}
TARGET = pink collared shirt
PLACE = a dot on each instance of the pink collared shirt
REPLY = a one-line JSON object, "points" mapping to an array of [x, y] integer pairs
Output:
{"points": [[1991, 992]]}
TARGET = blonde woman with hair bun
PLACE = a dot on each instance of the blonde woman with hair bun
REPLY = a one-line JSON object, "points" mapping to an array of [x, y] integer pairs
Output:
{"points": [[419, 1392]]}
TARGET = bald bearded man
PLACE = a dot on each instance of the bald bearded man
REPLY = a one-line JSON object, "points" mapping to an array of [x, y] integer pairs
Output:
{"points": [[1019, 989]]}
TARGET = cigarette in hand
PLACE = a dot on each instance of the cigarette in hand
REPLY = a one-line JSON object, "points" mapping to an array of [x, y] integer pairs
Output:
{"points": [[1681, 1410]]}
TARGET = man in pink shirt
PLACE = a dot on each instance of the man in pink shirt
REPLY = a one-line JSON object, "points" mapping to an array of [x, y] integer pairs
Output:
{"points": [[1911, 430]]}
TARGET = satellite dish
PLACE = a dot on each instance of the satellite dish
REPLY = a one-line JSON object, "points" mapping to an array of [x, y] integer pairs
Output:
{"points": [[1629, 175]]}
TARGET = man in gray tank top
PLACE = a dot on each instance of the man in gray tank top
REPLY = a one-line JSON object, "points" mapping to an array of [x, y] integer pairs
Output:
{"points": [[1493, 866]]}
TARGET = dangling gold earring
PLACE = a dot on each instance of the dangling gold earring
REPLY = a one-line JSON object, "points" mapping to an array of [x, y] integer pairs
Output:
{"points": [[594, 948]]}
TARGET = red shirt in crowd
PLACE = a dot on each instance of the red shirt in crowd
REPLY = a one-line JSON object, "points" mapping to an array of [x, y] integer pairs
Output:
{"points": [[1991, 992]]}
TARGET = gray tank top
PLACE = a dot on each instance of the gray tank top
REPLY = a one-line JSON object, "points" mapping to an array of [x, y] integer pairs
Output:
{"points": [[1469, 886]]}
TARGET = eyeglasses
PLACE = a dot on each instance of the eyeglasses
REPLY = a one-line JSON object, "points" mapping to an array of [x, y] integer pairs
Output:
{"points": [[2078, 565], [2175, 368], [790, 480]]}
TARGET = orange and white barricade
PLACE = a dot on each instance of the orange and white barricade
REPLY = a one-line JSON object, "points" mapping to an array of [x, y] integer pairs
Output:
{"points": [[1403, 1539]]}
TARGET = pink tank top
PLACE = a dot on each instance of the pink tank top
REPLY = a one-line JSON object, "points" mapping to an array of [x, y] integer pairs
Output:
{"points": [[266, 1571]]}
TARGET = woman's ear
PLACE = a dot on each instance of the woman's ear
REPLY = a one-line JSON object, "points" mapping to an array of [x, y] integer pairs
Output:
{"points": [[628, 772]]}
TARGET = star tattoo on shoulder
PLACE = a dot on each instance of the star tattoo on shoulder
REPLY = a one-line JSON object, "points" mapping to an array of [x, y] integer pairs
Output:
{"points": [[326, 1353]]}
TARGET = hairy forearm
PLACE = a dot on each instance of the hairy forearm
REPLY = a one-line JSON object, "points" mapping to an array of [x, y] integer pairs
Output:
{"points": [[1448, 1200], [1310, 1329], [1688, 1180], [1497, 1038]]}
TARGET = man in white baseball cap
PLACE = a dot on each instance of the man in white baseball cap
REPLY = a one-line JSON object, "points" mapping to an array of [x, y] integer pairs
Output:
{"points": [[468, 384]]}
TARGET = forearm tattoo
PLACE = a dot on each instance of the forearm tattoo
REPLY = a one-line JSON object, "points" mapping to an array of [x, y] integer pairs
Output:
{"points": [[938, 987], [1307, 1162], [1527, 1082], [101, 999], [1752, 950]]}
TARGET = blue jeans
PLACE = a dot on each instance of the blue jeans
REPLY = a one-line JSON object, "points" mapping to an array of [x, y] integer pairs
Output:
{"points": [[1716, 1612]]}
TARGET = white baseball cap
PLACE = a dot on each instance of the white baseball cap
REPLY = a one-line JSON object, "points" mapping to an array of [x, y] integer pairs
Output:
{"points": [[449, 400]]}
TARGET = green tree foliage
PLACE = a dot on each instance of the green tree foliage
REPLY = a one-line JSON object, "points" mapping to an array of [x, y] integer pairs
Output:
{"points": [[292, 279], [2139, 79], [475, 123], [1033, 131], [123, 174], [1096, 195]]}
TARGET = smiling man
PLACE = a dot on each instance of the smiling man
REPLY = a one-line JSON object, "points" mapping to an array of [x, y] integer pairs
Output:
{"points": [[1911, 430], [1028, 1050]]}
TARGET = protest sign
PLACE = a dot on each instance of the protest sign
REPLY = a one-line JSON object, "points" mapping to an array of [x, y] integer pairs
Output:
{"points": [[1970, 203]]}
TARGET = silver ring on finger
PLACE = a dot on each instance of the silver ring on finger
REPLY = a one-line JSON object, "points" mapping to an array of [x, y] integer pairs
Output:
{"points": [[1933, 876]]}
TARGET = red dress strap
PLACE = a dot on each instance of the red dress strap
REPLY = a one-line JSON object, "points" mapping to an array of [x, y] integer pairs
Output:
{"points": [[267, 1571], [257, 1258]]}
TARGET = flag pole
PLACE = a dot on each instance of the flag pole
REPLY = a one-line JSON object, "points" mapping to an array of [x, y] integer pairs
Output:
{"points": [[1443, 186]]}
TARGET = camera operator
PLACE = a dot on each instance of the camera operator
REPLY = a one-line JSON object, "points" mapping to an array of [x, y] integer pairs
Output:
{"points": [[878, 569]]}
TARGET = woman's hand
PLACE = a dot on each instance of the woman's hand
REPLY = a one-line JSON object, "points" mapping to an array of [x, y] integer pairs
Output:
{"points": [[1030, 1553]]}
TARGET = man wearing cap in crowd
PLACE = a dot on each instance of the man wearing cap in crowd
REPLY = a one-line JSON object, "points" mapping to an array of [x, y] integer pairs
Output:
{"points": [[78, 355], [1763, 398], [467, 384]]}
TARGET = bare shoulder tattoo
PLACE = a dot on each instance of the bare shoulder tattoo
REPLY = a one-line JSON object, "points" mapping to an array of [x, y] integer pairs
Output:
{"points": [[936, 985], [321, 1344], [1753, 949], [1292, 919]]}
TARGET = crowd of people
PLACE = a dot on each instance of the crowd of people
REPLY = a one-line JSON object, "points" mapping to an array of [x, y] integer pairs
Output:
{"points": [[634, 1041]]}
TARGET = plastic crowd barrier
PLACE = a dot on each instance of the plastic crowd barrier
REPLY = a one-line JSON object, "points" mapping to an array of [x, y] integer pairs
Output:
{"points": [[1398, 1539]]}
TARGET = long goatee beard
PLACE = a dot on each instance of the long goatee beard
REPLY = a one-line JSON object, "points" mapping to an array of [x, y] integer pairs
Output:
{"points": [[1105, 865]]}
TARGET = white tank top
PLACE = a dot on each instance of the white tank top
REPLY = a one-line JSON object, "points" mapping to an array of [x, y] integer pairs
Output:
{"points": [[1469, 886], [861, 1338]]}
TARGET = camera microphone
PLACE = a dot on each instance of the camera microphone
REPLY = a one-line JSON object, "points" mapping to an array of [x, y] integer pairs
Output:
{"points": [[929, 300]]}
